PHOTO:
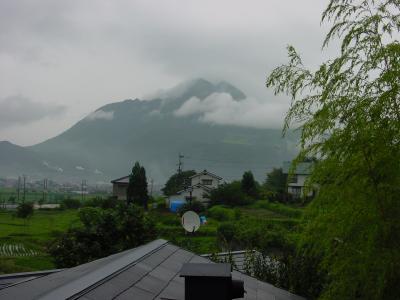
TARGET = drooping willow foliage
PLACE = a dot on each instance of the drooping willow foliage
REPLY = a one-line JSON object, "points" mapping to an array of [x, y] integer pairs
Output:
{"points": [[349, 114]]}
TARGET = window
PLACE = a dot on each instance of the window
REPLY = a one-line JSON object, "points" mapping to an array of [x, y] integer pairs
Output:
{"points": [[206, 181], [296, 192], [293, 178]]}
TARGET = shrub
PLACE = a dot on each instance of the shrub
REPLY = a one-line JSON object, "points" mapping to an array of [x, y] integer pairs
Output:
{"points": [[24, 210], [226, 233], [70, 203], [221, 213], [237, 213], [195, 206], [279, 208], [230, 194], [104, 232], [104, 203]]}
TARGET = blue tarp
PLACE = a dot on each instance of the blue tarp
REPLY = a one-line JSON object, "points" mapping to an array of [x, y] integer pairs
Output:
{"points": [[175, 205]]}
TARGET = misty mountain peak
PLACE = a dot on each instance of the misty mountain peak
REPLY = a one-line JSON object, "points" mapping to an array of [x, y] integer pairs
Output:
{"points": [[199, 88], [226, 87]]}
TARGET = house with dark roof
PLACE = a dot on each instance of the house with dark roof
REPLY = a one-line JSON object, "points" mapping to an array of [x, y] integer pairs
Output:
{"points": [[297, 179], [201, 184], [120, 187], [157, 270]]}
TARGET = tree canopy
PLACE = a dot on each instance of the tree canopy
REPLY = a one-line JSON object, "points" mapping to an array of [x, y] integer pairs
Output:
{"points": [[177, 182], [230, 194], [276, 184], [137, 187], [249, 184], [103, 232], [25, 210], [349, 114]]}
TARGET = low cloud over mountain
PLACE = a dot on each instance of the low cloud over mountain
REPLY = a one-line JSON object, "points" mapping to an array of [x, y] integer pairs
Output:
{"points": [[100, 115], [215, 125], [223, 109]]}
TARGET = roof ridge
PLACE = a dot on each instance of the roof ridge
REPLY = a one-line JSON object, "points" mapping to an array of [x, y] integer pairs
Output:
{"points": [[205, 172], [123, 177]]}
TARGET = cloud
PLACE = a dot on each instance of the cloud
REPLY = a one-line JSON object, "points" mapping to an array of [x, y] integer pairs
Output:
{"points": [[19, 110], [79, 168], [221, 108], [101, 115], [90, 53], [55, 168]]}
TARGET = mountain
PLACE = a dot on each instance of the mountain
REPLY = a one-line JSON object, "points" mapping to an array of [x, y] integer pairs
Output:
{"points": [[15, 159], [106, 143]]}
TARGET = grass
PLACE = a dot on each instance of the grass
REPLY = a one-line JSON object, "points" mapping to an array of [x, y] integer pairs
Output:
{"points": [[36, 234], [34, 195], [276, 209], [203, 241], [45, 225]]}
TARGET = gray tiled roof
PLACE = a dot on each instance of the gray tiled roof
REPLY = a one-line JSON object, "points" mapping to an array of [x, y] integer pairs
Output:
{"points": [[124, 180], [302, 168], [150, 271], [205, 172]]}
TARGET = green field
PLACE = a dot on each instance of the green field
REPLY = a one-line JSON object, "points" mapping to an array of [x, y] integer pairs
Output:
{"points": [[44, 226], [34, 235], [10, 195]]}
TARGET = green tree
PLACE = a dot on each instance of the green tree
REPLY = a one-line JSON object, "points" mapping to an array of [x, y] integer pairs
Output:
{"points": [[137, 188], [276, 184], [25, 210], [177, 182], [229, 194], [276, 181], [249, 185], [349, 113], [12, 199], [103, 232]]}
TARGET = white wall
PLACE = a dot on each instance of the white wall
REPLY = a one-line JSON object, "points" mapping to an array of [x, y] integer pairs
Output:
{"points": [[199, 178]]}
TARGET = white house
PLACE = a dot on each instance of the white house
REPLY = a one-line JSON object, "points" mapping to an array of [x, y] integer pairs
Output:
{"points": [[296, 183], [120, 187], [200, 186]]}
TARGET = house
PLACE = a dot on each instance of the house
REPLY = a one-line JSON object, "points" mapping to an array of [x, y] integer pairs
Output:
{"points": [[157, 270], [201, 184], [297, 180], [120, 187]]}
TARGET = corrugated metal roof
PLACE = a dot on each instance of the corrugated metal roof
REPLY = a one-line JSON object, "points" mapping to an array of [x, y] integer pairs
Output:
{"points": [[10, 279], [150, 271]]}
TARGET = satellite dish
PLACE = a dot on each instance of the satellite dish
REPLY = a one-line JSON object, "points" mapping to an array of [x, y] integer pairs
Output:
{"points": [[190, 221]]}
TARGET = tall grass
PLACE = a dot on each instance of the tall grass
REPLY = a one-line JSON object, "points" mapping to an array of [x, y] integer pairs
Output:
{"points": [[279, 208]]}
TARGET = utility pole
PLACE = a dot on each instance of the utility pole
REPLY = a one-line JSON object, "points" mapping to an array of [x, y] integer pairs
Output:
{"points": [[151, 187], [44, 190], [83, 186], [24, 176], [180, 163], [18, 188]]}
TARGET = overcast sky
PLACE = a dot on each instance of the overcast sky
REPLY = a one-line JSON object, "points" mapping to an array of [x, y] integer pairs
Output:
{"points": [[61, 60]]}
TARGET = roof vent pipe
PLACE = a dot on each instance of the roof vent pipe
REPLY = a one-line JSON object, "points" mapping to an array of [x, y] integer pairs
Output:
{"points": [[210, 281]]}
